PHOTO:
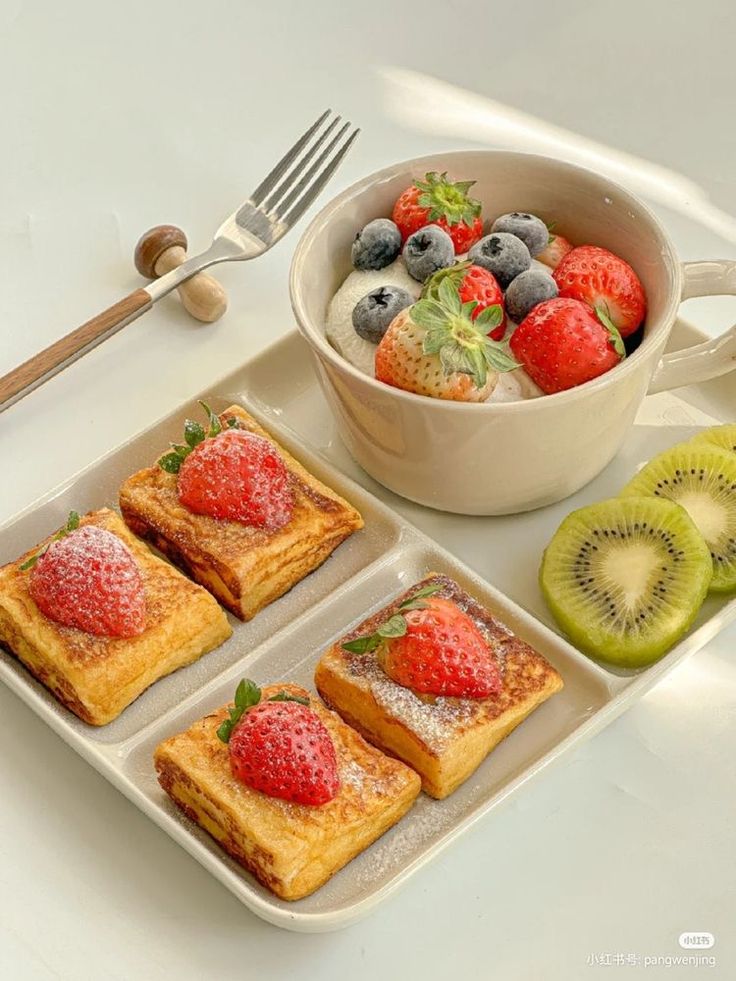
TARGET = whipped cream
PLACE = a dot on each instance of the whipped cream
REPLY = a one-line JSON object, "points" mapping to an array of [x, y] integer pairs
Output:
{"points": [[512, 386]]}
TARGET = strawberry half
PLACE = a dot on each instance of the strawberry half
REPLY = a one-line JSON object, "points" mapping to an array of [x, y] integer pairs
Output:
{"points": [[438, 201], [434, 648], [599, 278], [563, 343], [88, 579], [237, 476], [230, 474], [473, 283], [435, 348], [557, 249], [280, 747]]}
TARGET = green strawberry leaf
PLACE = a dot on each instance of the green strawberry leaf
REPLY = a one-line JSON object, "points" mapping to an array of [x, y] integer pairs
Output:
{"points": [[449, 297], [284, 696], [498, 356], [247, 694], [362, 645], [455, 274], [615, 340], [215, 426], [429, 314], [420, 594], [395, 626], [194, 434], [490, 317], [72, 523], [171, 462], [447, 200]]}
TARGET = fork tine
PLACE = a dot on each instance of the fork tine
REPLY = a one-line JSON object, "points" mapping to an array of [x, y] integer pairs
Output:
{"points": [[272, 202], [309, 193], [270, 181]]}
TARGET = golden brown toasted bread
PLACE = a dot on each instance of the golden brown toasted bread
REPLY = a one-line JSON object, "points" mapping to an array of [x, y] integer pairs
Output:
{"points": [[443, 739], [246, 568], [95, 676], [292, 849]]}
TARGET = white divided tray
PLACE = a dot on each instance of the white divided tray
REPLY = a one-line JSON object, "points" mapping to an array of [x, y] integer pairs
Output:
{"points": [[285, 641]]}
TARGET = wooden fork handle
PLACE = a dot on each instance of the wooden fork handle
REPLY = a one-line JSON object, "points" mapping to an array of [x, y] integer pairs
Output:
{"points": [[47, 363]]}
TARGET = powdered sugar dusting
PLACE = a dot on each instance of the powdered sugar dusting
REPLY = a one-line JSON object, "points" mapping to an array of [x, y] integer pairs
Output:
{"points": [[89, 580]]}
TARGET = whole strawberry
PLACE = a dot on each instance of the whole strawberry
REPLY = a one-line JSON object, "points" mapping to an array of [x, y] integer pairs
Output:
{"points": [[603, 280], [438, 201], [431, 646], [88, 579], [231, 474], [557, 249], [563, 343], [472, 283], [435, 348], [280, 747]]}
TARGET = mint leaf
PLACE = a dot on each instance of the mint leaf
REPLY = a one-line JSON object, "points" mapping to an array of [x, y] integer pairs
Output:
{"points": [[617, 342], [194, 434], [72, 522], [395, 626]]}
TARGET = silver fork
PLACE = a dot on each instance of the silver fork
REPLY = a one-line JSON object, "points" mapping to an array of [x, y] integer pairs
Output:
{"points": [[272, 209]]}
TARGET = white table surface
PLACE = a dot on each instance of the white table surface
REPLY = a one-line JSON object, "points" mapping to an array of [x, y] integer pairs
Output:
{"points": [[117, 117]]}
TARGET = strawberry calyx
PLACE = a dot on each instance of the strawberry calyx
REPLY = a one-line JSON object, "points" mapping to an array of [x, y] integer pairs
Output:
{"points": [[194, 434], [395, 626], [454, 274], [460, 342], [72, 523], [616, 340], [248, 694], [444, 199]]}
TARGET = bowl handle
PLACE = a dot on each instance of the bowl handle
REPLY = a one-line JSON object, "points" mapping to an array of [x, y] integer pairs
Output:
{"points": [[714, 357]]}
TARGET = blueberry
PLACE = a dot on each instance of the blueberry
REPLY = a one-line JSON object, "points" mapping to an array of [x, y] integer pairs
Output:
{"points": [[531, 230], [377, 245], [374, 312], [428, 250], [526, 291], [502, 254]]}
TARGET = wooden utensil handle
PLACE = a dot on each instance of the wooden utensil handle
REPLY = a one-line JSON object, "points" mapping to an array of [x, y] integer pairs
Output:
{"points": [[47, 363]]}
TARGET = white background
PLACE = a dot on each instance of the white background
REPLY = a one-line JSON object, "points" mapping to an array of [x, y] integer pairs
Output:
{"points": [[117, 117]]}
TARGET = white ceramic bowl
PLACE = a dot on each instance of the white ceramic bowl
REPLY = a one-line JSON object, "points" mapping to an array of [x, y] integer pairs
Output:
{"points": [[500, 458]]}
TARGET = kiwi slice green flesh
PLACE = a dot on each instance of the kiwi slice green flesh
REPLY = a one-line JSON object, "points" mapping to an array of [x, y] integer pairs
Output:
{"points": [[723, 436], [625, 578], [702, 478]]}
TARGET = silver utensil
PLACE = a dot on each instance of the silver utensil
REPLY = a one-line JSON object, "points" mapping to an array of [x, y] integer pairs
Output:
{"points": [[272, 209]]}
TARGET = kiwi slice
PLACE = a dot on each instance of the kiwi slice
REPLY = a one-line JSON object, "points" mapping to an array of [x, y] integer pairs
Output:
{"points": [[702, 478], [625, 578], [723, 436]]}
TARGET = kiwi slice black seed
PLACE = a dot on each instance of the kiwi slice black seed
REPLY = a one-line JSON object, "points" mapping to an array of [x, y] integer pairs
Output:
{"points": [[702, 478], [625, 578], [723, 436]]}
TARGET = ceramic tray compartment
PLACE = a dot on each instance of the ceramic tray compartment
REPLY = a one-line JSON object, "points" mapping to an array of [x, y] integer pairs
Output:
{"points": [[284, 641]]}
